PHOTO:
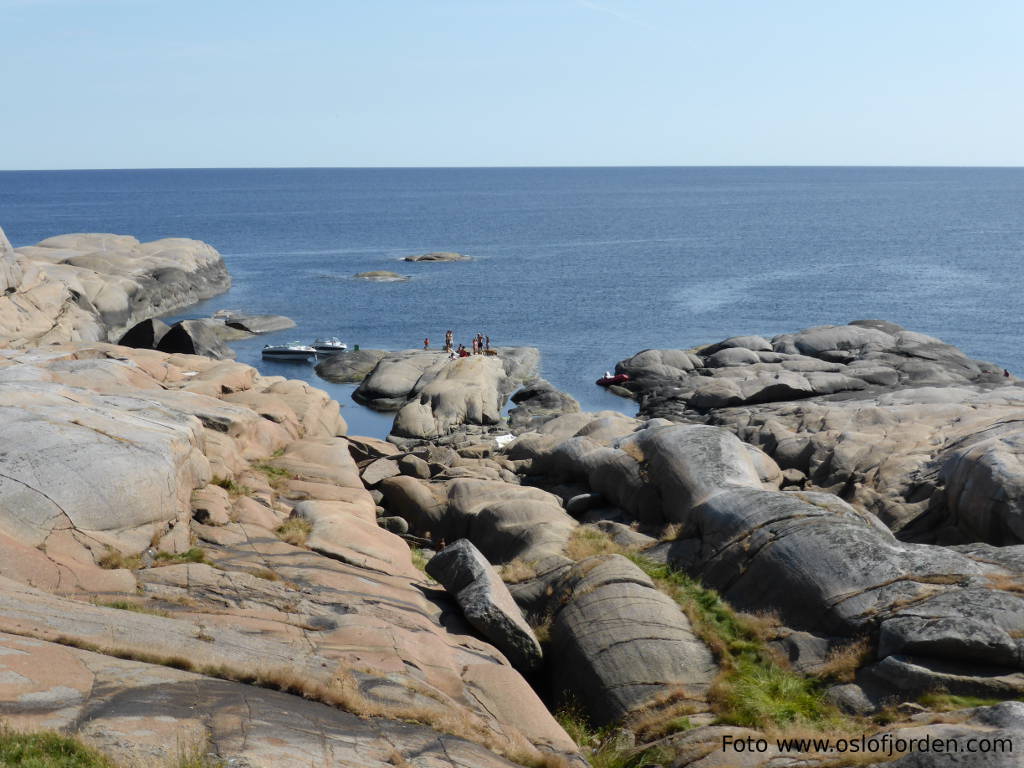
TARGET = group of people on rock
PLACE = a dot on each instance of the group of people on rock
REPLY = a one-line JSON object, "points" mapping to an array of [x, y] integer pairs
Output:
{"points": [[481, 345]]}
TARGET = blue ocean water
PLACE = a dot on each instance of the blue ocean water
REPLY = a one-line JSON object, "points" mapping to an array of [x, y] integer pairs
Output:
{"points": [[588, 264]]}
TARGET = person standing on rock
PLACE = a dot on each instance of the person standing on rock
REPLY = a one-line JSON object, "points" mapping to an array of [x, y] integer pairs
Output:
{"points": [[487, 343], [426, 343]]}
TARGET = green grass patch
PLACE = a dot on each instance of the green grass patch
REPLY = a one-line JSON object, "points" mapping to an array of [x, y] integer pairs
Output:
{"points": [[46, 749], [233, 488], [418, 558], [599, 745], [752, 689], [193, 555], [128, 605], [276, 476], [113, 559], [940, 701]]}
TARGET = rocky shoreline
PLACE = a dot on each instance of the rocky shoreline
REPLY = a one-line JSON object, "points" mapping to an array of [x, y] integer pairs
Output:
{"points": [[816, 533]]}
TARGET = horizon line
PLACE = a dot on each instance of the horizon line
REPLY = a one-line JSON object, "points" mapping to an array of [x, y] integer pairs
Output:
{"points": [[499, 167]]}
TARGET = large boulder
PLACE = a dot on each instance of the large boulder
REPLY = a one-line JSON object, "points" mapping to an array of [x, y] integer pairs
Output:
{"points": [[390, 383], [353, 365], [537, 402], [145, 335], [618, 644], [486, 602], [195, 337], [504, 521]]}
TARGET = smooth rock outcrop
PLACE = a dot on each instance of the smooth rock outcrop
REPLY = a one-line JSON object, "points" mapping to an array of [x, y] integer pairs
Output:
{"points": [[893, 421], [255, 323], [94, 287], [463, 391], [161, 480], [486, 602]]}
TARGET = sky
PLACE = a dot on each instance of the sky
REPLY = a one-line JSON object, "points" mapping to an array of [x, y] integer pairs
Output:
{"points": [[229, 83]]}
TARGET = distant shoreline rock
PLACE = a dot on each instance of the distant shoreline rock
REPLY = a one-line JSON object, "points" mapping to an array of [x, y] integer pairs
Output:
{"points": [[94, 287], [439, 256], [382, 276]]}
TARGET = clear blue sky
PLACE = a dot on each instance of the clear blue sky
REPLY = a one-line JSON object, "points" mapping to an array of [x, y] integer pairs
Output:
{"points": [[179, 83]]}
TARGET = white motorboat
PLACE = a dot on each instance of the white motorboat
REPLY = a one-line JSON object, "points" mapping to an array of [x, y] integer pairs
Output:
{"points": [[329, 346], [296, 350]]}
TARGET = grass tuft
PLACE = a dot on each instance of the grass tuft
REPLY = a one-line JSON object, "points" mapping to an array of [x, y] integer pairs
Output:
{"points": [[46, 749], [842, 663], [940, 701], [600, 746], [192, 555], [113, 559], [295, 530], [128, 605], [276, 476], [198, 757], [516, 571], [234, 489], [587, 541], [418, 558]]}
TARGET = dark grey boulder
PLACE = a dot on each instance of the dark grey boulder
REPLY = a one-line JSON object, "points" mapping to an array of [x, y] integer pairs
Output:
{"points": [[851, 699], [145, 335], [912, 676], [414, 466], [349, 366], [538, 402], [486, 602], [393, 524], [379, 470], [195, 337], [617, 643]]}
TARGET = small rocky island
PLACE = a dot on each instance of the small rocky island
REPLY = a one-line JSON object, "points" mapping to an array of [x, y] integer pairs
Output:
{"points": [[439, 256], [817, 534]]}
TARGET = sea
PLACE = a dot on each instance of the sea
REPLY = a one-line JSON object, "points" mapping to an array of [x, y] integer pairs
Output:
{"points": [[590, 265]]}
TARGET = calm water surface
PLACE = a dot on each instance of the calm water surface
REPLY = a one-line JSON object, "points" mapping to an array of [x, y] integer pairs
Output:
{"points": [[590, 265]]}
